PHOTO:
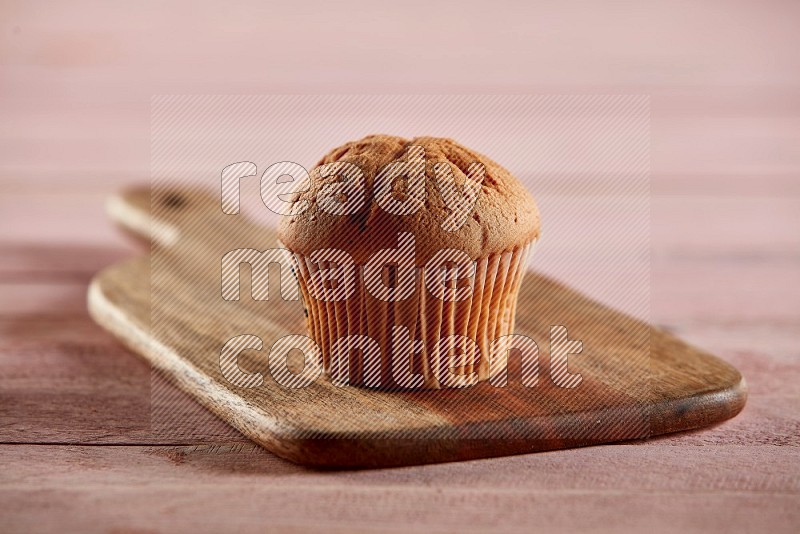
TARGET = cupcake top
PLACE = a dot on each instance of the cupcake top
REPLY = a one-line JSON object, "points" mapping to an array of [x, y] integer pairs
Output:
{"points": [[404, 185]]}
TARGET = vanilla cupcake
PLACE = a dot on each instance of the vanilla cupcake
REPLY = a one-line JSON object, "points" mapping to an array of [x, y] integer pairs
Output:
{"points": [[409, 255]]}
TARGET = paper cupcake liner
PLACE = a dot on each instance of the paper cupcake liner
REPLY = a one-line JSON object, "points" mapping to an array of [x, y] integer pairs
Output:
{"points": [[487, 314]]}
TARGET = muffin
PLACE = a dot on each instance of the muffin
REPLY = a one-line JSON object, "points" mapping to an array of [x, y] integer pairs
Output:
{"points": [[429, 241]]}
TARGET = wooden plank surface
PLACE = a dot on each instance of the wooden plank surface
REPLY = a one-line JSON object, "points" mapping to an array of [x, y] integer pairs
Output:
{"points": [[242, 486], [747, 468], [724, 477]]}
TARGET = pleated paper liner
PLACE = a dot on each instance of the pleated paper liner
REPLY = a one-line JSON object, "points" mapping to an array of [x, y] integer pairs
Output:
{"points": [[423, 345]]}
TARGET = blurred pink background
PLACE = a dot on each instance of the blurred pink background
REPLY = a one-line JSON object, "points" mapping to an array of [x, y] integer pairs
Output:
{"points": [[723, 79], [77, 77]]}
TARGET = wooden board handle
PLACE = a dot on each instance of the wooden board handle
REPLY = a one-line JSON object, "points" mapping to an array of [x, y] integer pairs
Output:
{"points": [[162, 216]]}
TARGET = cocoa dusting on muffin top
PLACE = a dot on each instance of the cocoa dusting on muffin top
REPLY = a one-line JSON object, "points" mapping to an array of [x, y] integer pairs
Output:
{"points": [[377, 173]]}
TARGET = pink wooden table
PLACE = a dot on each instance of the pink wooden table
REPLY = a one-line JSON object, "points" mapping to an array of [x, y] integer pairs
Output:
{"points": [[76, 448]]}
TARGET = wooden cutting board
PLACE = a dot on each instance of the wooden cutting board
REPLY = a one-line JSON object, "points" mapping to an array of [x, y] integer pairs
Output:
{"points": [[637, 381]]}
